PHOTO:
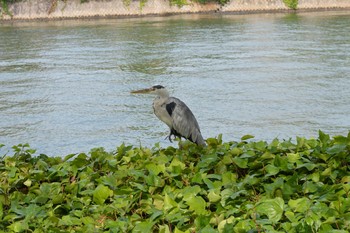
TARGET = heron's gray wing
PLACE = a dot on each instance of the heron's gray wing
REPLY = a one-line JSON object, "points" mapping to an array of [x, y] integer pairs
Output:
{"points": [[184, 122]]}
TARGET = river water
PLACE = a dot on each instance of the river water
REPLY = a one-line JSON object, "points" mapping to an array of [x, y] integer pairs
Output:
{"points": [[65, 85]]}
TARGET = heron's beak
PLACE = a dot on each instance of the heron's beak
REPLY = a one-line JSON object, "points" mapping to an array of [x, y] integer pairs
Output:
{"points": [[143, 91]]}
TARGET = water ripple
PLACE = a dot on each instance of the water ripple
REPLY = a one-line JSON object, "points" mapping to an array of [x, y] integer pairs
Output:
{"points": [[65, 85]]}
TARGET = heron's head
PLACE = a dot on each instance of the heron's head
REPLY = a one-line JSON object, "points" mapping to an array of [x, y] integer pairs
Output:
{"points": [[156, 89]]}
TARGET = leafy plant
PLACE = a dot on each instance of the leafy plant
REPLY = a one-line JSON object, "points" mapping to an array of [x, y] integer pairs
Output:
{"points": [[4, 9], [142, 4], [244, 186], [179, 3], [127, 2], [292, 4]]}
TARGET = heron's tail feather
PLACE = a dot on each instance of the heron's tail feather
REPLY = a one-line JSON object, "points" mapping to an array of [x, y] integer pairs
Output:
{"points": [[200, 141], [197, 138]]}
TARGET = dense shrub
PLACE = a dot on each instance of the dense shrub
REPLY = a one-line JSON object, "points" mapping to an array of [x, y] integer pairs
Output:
{"points": [[245, 186]]}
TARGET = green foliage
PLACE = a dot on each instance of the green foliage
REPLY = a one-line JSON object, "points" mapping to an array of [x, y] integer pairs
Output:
{"points": [[292, 4], [4, 9], [245, 186], [179, 3]]}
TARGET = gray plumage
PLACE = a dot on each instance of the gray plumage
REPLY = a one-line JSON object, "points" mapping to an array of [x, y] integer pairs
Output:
{"points": [[175, 113], [177, 116]]}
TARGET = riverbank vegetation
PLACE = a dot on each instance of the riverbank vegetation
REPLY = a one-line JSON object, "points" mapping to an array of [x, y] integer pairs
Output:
{"points": [[292, 4], [300, 185]]}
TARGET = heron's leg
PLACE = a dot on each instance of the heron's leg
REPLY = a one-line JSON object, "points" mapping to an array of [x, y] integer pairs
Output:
{"points": [[170, 137]]}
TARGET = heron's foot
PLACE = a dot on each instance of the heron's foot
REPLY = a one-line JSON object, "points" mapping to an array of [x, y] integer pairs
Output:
{"points": [[169, 137]]}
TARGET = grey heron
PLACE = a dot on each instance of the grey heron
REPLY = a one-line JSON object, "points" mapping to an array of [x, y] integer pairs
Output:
{"points": [[175, 114]]}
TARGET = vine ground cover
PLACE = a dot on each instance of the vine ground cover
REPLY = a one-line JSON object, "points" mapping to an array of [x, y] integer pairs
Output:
{"points": [[245, 186]]}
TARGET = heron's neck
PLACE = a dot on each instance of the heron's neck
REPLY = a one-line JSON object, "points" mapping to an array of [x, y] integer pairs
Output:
{"points": [[163, 93]]}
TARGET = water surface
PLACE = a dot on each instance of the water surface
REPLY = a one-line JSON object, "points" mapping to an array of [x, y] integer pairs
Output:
{"points": [[65, 85]]}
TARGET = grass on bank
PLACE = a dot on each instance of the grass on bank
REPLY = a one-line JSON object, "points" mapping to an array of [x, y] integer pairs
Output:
{"points": [[244, 186]]}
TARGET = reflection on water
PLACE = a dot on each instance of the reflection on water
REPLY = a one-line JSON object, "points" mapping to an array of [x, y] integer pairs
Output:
{"points": [[64, 85]]}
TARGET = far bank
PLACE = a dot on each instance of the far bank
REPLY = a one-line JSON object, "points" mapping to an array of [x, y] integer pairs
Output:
{"points": [[65, 9]]}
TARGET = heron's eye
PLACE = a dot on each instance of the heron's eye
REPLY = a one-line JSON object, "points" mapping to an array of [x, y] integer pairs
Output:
{"points": [[158, 87]]}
